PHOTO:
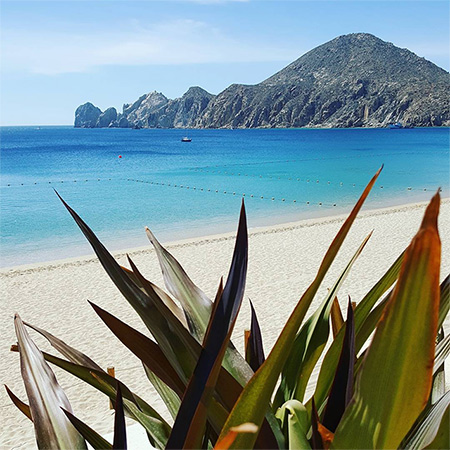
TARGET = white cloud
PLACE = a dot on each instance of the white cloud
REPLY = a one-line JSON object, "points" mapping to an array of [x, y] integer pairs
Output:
{"points": [[175, 42]]}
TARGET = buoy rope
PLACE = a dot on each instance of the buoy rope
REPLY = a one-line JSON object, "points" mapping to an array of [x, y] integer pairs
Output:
{"points": [[234, 193], [223, 191], [61, 181]]}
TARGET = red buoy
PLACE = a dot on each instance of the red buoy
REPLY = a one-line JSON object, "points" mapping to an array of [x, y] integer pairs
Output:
{"points": [[120, 156]]}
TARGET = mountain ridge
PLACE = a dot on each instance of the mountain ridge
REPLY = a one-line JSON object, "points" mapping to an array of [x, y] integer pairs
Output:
{"points": [[354, 80]]}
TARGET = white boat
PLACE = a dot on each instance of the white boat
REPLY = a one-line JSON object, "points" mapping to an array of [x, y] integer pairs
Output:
{"points": [[186, 139]]}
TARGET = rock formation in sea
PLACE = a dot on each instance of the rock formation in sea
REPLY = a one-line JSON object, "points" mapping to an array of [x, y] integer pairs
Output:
{"points": [[355, 80], [86, 116], [107, 118]]}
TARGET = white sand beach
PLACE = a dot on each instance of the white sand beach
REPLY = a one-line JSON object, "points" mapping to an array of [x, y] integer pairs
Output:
{"points": [[283, 261]]}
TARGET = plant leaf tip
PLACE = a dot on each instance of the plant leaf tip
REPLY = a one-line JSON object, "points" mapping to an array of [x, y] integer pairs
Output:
{"points": [[432, 212], [59, 196], [151, 237]]}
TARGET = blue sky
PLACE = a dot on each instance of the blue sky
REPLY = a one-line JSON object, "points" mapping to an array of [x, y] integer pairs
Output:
{"points": [[57, 55]]}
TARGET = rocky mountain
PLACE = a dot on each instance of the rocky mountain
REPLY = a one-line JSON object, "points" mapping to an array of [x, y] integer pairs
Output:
{"points": [[153, 110], [181, 112], [355, 80]]}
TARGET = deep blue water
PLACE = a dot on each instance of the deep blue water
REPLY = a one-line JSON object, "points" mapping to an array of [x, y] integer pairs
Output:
{"points": [[119, 196]]}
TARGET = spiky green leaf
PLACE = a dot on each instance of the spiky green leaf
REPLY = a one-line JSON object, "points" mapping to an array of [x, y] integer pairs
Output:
{"points": [[310, 342], [387, 400], [190, 422], [259, 389], [365, 322], [194, 301]]}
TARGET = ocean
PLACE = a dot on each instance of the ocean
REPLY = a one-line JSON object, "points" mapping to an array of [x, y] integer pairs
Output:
{"points": [[121, 180]]}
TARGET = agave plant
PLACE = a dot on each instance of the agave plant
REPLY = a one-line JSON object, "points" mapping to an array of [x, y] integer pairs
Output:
{"points": [[380, 383]]}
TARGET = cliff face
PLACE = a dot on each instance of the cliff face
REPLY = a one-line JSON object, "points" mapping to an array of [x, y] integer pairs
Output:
{"points": [[356, 80], [86, 116], [152, 110], [138, 113], [181, 112]]}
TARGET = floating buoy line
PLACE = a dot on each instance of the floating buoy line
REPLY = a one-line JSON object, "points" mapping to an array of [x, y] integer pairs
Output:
{"points": [[234, 193], [42, 183], [203, 189], [230, 192]]}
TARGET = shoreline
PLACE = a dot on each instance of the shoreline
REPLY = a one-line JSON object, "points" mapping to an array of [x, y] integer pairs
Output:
{"points": [[256, 230]]}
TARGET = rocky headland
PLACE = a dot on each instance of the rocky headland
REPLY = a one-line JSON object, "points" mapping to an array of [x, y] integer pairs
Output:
{"points": [[355, 80]]}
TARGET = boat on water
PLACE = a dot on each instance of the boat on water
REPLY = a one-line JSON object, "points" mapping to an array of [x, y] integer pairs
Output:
{"points": [[399, 126], [186, 139]]}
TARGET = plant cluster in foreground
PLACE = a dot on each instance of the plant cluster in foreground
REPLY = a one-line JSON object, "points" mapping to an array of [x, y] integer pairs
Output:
{"points": [[380, 385]]}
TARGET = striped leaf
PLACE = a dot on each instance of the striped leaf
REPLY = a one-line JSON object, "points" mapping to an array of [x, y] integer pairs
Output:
{"points": [[179, 346], [434, 424], [196, 305], [387, 399], [46, 397]]}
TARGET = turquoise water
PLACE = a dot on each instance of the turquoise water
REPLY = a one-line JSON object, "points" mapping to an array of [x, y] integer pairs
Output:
{"points": [[119, 196]]}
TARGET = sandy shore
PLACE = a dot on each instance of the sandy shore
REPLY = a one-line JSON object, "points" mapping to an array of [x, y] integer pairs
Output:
{"points": [[283, 261]]}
